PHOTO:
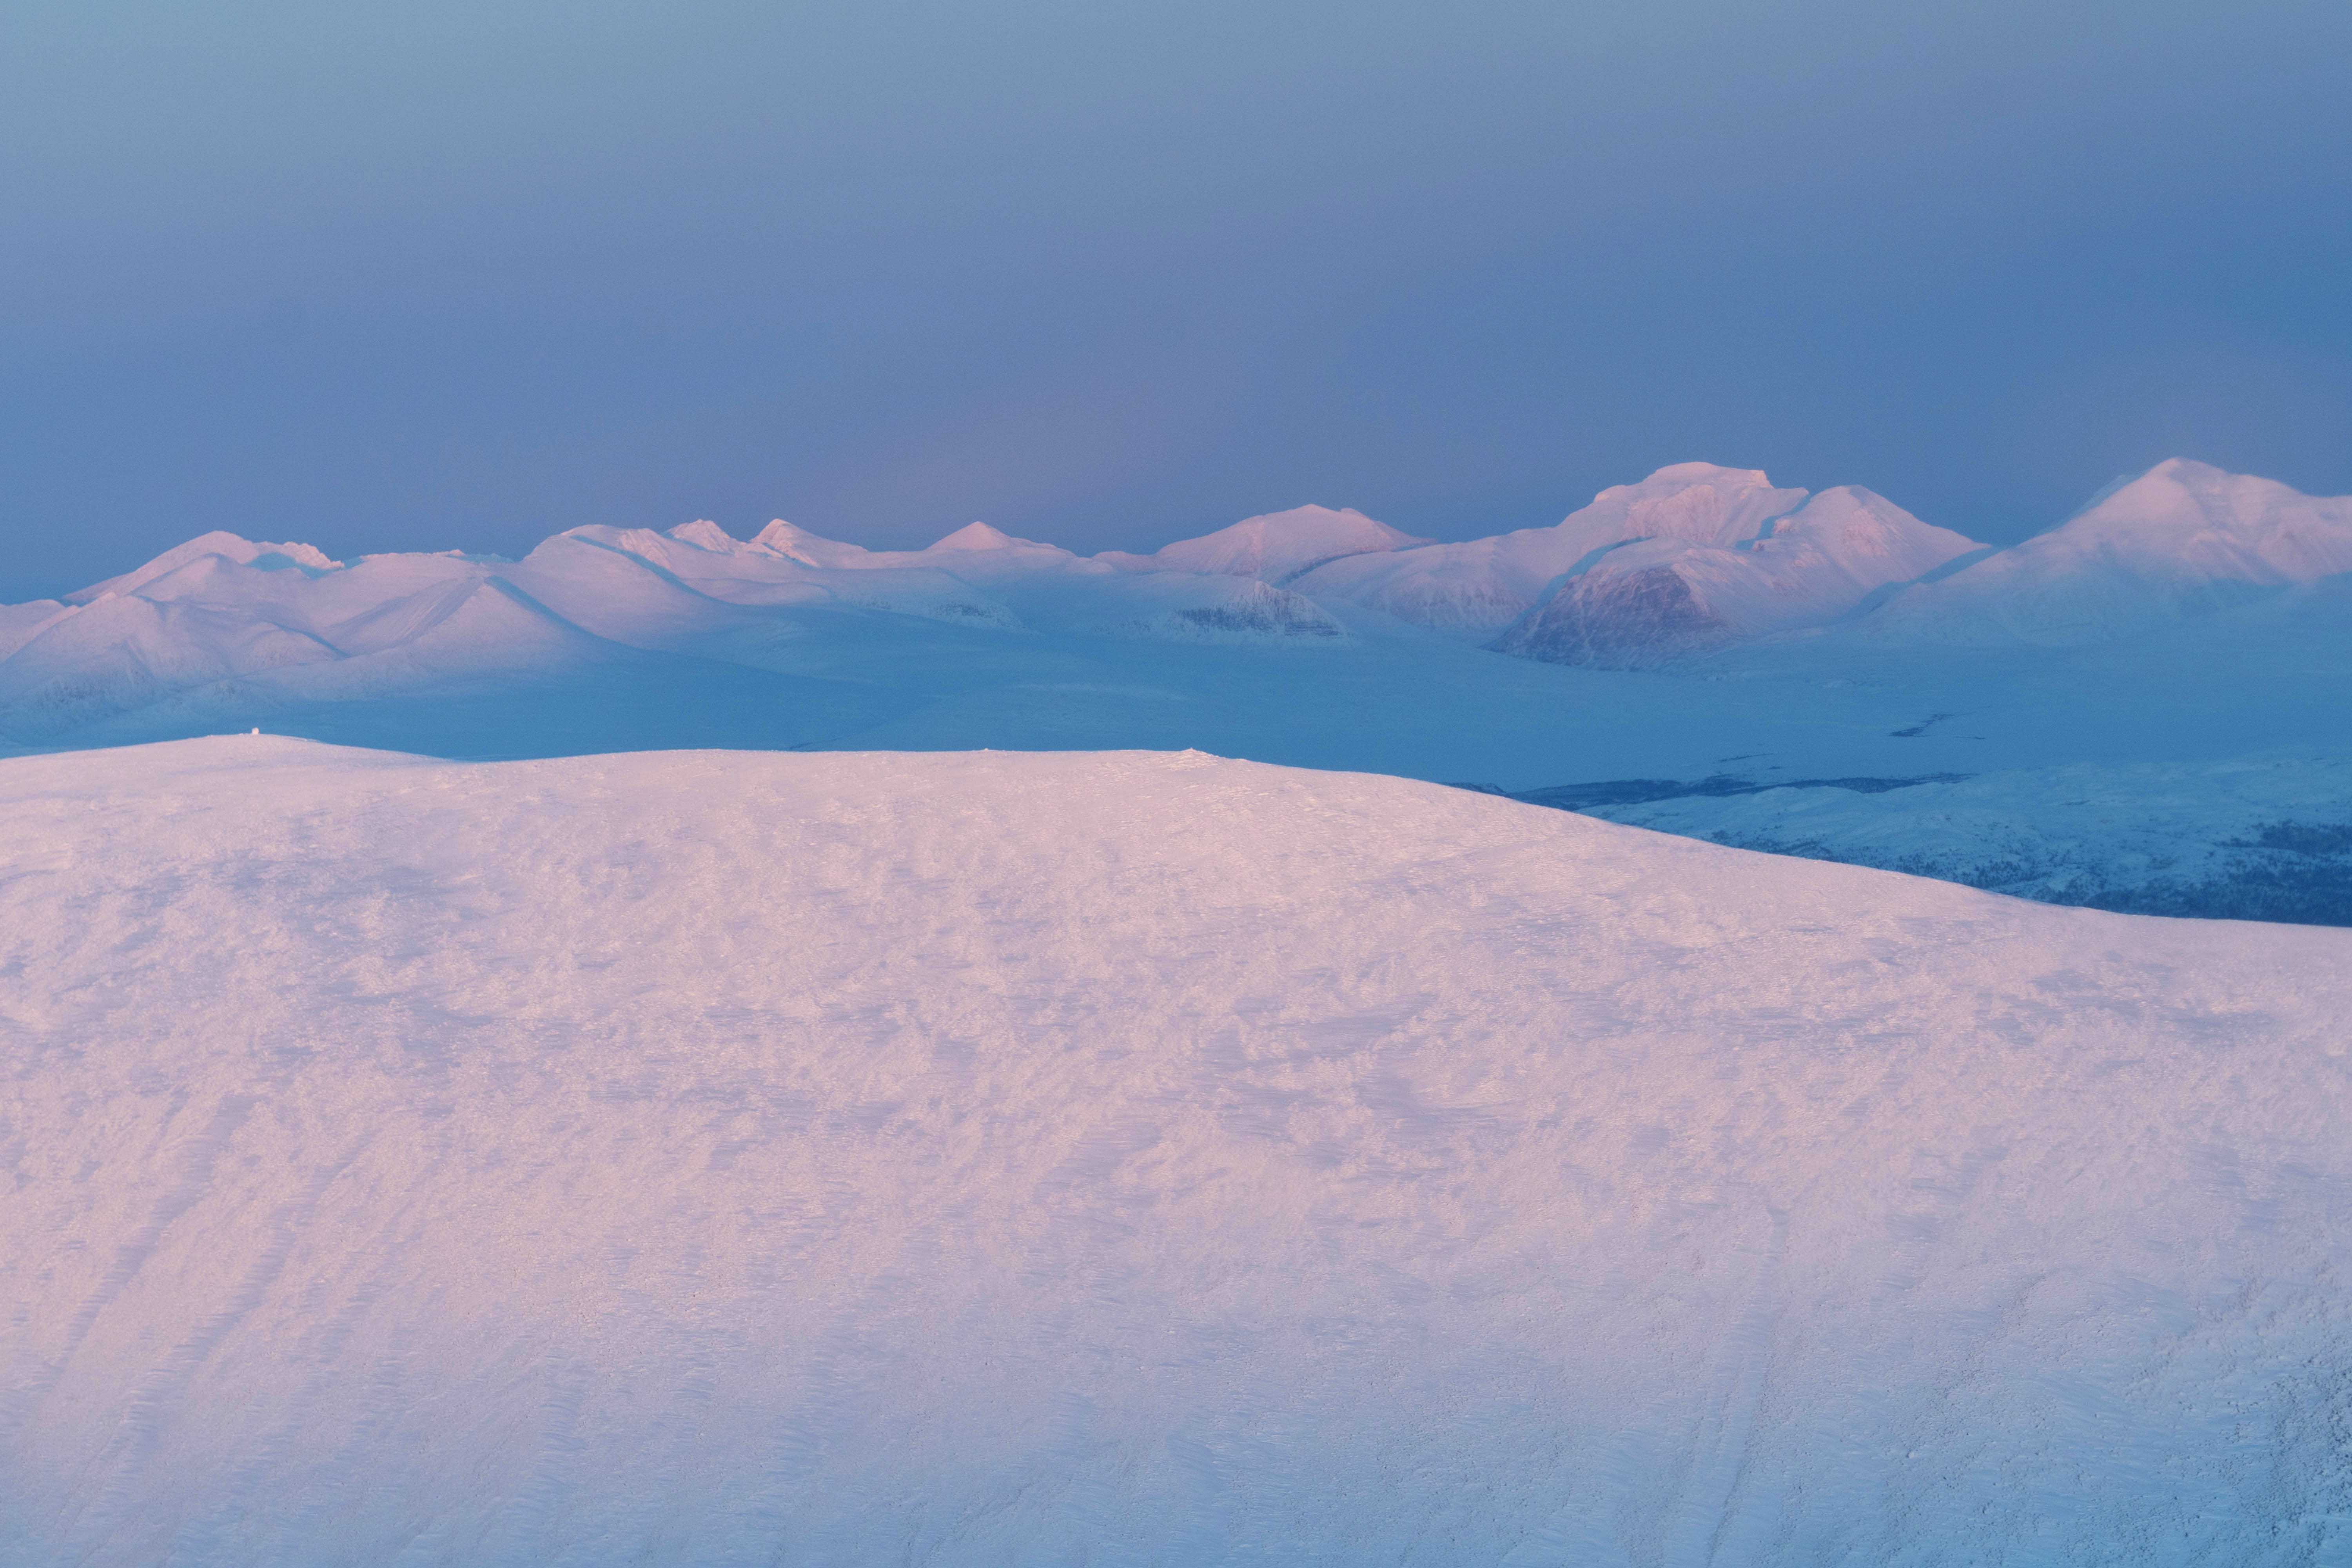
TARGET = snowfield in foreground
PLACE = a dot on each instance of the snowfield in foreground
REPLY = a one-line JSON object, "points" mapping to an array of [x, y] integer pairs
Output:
{"points": [[707, 1158]]}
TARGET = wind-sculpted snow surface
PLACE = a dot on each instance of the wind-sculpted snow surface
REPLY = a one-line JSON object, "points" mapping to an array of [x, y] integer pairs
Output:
{"points": [[750, 1158]]}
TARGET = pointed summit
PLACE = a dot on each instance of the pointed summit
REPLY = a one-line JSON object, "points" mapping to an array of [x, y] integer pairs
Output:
{"points": [[979, 536], [705, 534]]}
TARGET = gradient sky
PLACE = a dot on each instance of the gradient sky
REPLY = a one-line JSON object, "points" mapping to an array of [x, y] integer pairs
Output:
{"points": [[435, 275]]}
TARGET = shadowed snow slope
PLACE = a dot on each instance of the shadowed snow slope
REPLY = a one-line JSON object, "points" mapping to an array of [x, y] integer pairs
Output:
{"points": [[704, 1158]]}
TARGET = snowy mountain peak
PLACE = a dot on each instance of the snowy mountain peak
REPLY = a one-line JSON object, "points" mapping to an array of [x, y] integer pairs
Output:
{"points": [[1274, 546], [2182, 537], [1479, 588], [1660, 597], [809, 549], [1854, 525], [706, 535], [980, 536], [1702, 502], [219, 543], [2190, 506]]}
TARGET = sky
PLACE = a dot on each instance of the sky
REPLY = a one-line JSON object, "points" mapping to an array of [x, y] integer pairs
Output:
{"points": [[440, 275]]}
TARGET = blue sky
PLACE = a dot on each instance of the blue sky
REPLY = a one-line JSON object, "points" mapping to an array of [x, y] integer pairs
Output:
{"points": [[440, 275]]}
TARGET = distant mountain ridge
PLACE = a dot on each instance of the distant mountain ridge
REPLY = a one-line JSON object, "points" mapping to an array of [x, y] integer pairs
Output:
{"points": [[2189, 617], [1691, 560], [2181, 539]]}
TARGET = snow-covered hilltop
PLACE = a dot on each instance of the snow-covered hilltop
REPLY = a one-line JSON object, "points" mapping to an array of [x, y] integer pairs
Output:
{"points": [[2191, 618], [734, 1158]]}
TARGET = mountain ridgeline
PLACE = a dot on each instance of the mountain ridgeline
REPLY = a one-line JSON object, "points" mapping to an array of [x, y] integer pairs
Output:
{"points": [[2141, 707]]}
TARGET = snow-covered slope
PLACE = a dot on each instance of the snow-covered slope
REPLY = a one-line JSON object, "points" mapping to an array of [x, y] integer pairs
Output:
{"points": [[213, 626], [740, 1158], [218, 545], [1652, 600], [1476, 589], [1275, 547], [2181, 539]]}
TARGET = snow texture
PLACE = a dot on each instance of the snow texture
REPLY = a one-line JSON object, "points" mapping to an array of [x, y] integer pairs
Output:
{"points": [[704, 1158]]}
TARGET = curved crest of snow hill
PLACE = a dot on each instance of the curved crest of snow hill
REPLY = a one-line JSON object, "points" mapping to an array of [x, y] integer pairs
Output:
{"points": [[2182, 538], [1275, 547], [218, 544], [706, 1157], [1651, 601]]}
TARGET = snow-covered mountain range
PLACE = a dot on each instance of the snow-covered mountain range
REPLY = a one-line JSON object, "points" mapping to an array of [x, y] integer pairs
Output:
{"points": [[734, 1158], [1701, 624]]}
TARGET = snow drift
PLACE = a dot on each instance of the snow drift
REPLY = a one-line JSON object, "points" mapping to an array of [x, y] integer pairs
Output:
{"points": [[719, 1157]]}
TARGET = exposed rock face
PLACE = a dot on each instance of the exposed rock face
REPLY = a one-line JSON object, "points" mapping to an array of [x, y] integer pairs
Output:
{"points": [[1641, 603], [1617, 620], [1476, 588], [1251, 612]]}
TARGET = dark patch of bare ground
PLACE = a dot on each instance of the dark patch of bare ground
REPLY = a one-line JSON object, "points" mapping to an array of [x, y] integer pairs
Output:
{"points": [[2295, 873]]}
